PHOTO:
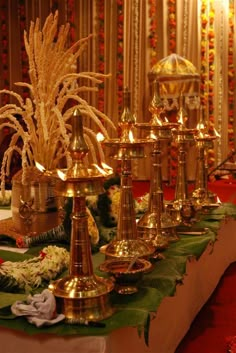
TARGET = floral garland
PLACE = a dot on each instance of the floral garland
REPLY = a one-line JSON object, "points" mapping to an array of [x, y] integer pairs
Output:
{"points": [[173, 149], [120, 36], [101, 50], [211, 59], [207, 68], [32, 273], [153, 39], [204, 61], [136, 25], [71, 19], [24, 57], [231, 77], [185, 28], [172, 25], [4, 54]]}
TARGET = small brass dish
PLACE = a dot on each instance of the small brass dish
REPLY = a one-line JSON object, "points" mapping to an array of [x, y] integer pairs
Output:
{"points": [[126, 273]]}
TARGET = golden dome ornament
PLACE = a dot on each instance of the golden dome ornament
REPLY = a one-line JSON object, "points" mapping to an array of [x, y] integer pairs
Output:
{"points": [[176, 74]]}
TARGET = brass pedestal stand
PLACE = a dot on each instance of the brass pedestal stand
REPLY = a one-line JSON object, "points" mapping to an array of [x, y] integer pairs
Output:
{"points": [[183, 204], [201, 194], [156, 223], [81, 295], [126, 148]]}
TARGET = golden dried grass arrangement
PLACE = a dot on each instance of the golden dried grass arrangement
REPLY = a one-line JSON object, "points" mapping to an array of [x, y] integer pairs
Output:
{"points": [[45, 131]]}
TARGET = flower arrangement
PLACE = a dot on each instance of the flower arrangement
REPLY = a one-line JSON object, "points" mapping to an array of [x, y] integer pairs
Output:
{"points": [[32, 273], [56, 90]]}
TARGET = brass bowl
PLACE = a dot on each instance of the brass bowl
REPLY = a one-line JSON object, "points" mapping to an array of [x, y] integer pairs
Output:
{"points": [[126, 280]]}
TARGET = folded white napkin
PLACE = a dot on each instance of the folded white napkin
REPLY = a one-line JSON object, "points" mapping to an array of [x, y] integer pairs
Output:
{"points": [[39, 309]]}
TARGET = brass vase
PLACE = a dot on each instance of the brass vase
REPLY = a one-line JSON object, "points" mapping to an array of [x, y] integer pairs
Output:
{"points": [[35, 207]]}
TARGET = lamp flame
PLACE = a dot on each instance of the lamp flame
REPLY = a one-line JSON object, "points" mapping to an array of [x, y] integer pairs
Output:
{"points": [[181, 119], [101, 170], [40, 167], [100, 137], [131, 136], [216, 133], [152, 136], [200, 126], [61, 175], [106, 167], [201, 134]]}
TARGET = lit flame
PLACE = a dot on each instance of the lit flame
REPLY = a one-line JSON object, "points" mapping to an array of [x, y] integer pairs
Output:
{"points": [[106, 167], [181, 120], [61, 175], [166, 119], [216, 133], [100, 137], [131, 136], [200, 126], [153, 136], [40, 167], [101, 170], [201, 134]]}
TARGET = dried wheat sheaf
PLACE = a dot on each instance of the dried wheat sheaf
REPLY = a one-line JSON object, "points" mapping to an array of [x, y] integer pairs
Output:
{"points": [[54, 82]]}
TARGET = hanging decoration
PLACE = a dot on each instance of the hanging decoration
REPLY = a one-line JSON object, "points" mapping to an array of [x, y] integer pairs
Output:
{"points": [[207, 68], [185, 29], [136, 25], [4, 53], [153, 38], [172, 148], [23, 54], [71, 20], [120, 36], [231, 76], [172, 25], [204, 61], [211, 68], [101, 50]]}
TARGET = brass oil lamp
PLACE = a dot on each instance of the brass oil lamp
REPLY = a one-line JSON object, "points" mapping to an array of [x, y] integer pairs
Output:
{"points": [[127, 244], [157, 223], [81, 295], [184, 206], [204, 141]]}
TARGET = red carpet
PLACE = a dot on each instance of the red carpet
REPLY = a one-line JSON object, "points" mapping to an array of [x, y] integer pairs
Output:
{"points": [[215, 324]]}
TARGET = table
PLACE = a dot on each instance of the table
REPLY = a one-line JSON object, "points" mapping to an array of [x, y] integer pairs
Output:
{"points": [[172, 321]]}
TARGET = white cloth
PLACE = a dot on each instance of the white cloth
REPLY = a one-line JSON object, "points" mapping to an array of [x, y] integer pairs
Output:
{"points": [[39, 309]]}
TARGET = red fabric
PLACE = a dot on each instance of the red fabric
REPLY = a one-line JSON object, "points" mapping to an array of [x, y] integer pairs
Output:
{"points": [[224, 189], [216, 322]]}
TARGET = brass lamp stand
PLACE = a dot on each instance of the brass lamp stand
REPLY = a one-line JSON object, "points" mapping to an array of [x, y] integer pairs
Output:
{"points": [[81, 295], [182, 203], [157, 223], [201, 194], [126, 148]]}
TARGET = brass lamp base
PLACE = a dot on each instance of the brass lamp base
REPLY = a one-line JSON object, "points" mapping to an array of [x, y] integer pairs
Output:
{"points": [[83, 299], [128, 249], [160, 235], [206, 199]]}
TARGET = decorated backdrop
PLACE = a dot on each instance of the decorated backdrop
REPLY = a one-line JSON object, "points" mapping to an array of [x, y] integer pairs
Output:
{"points": [[130, 36]]}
